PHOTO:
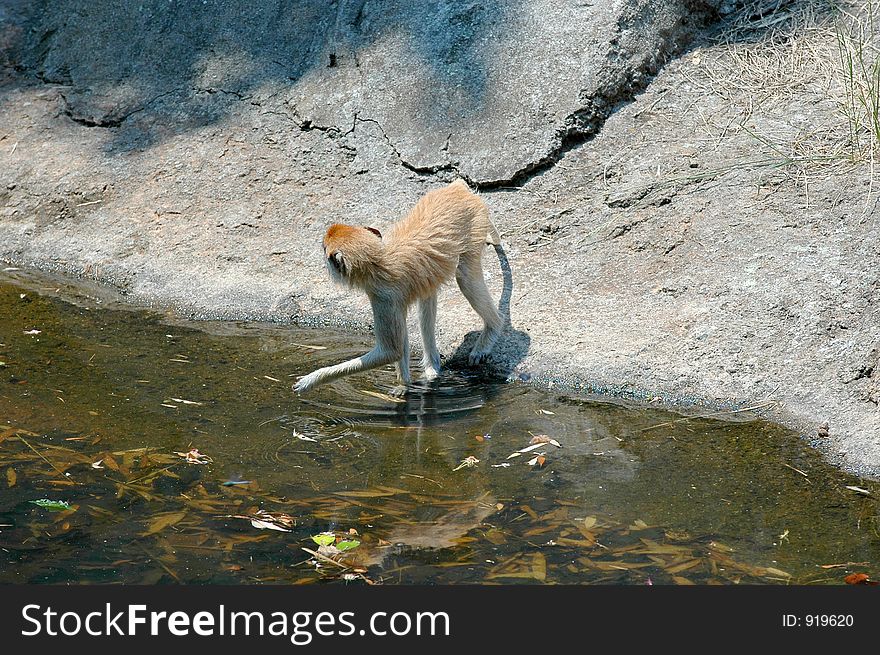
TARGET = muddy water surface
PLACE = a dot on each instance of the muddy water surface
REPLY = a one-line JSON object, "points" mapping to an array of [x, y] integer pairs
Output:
{"points": [[97, 402]]}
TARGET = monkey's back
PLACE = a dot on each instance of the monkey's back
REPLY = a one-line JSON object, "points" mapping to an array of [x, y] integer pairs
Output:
{"points": [[423, 250]]}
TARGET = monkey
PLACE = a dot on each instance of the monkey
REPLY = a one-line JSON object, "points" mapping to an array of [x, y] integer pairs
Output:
{"points": [[442, 237]]}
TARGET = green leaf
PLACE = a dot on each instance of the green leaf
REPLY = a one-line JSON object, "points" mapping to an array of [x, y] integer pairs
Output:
{"points": [[348, 544], [324, 539], [52, 505]]}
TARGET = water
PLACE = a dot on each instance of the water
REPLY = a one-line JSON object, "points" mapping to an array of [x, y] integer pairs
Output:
{"points": [[633, 496]]}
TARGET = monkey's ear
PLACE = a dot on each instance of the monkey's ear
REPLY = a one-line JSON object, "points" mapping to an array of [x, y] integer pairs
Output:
{"points": [[374, 231]]}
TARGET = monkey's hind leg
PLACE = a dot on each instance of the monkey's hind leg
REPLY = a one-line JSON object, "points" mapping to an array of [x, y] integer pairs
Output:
{"points": [[427, 324], [469, 276], [402, 366]]}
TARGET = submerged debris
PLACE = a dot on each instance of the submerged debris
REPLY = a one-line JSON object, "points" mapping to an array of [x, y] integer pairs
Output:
{"points": [[193, 456], [468, 462]]}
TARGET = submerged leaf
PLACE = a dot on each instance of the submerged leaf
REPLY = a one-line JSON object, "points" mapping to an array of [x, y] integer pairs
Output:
{"points": [[163, 521]]}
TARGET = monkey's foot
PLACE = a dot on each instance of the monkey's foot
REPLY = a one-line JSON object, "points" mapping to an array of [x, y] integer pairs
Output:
{"points": [[483, 347], [430, 374], [399, 391]]}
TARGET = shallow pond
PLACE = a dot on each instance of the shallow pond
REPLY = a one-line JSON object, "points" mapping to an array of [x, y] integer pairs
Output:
{"points": [[99, 407]]}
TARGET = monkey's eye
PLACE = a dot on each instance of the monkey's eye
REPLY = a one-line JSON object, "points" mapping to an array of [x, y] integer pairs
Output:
{"points": [[336, 260]]}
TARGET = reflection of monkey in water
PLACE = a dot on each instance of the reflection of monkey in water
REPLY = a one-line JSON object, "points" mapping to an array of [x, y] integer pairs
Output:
{"points": [[444, 235]]}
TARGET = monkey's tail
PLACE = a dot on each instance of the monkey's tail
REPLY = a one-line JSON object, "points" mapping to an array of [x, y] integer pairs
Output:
{"points": [[492, 236]]}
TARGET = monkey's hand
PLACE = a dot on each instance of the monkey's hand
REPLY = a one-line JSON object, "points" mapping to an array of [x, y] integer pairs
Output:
{"points": [[308, 382]]}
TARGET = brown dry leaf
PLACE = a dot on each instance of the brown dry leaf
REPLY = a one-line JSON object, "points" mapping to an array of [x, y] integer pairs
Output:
{"points": [[588, 522], [495, 536], [10, 477], [519, 567], [162, 521], [859, 578], [578, 543], [110, 463], [637, 525], [677, 579], [654, 548], [543, 438], [777, 572], [541, 529], [364, 494], [683, 566], [539, 566], [619, 566], [528, 510], [588, 534]]}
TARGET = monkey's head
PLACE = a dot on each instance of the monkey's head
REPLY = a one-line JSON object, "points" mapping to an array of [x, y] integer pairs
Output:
{"points": [[353, 254]]}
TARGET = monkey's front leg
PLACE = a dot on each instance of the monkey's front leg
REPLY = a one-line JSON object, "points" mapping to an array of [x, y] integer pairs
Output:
{"points": [[374, 359], [389, 324]]}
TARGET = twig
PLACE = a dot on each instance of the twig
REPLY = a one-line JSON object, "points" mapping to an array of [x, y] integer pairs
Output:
{"points": [[58, 470], [798, 471], [329, 560], [422, 477], [159, 562], [712, 415]]}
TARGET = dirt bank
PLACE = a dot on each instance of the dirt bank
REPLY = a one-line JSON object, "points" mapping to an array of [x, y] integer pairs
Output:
{"points": [[703, 234]]}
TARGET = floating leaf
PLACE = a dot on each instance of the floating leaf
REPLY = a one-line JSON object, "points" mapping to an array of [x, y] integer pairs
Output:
{"points": [[324, 539], [348, 544], [364, 494], [52, 505]]}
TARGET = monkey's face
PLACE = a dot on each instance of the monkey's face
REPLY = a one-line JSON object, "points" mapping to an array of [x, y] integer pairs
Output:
{"points": [[351, 252]]}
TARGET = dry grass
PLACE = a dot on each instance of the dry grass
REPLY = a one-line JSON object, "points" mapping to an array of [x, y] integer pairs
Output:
{"points": [[802, 78]]}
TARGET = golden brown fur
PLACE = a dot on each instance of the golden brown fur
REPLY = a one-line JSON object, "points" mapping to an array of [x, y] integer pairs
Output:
{"points": [[441, 238]]}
